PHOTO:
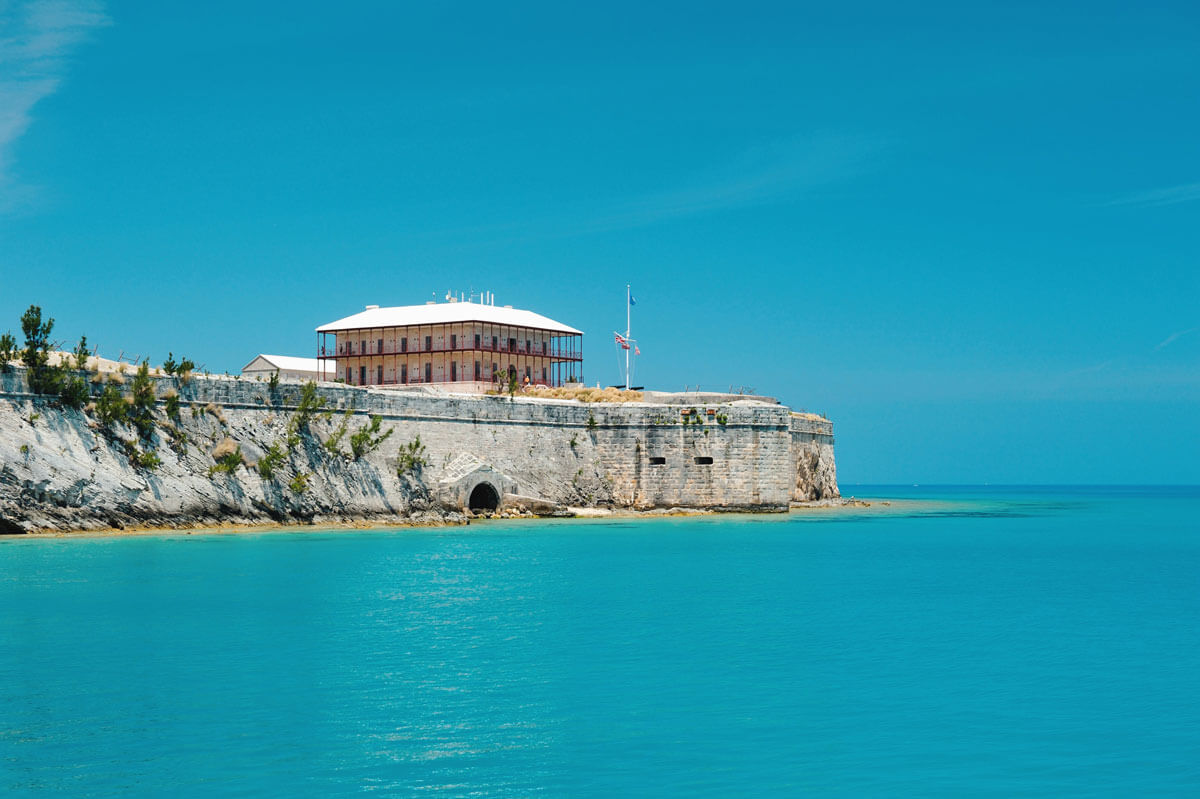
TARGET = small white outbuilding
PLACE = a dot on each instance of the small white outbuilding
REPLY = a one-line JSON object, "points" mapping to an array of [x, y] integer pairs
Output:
{"points": [[289, 367]]}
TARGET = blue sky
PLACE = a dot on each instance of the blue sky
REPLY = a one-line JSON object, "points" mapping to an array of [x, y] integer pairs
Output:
{"points": [[966, 232]]}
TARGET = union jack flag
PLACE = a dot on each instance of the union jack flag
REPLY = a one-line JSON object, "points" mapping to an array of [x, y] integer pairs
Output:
{"points": [[636, 351], [621, 340]]}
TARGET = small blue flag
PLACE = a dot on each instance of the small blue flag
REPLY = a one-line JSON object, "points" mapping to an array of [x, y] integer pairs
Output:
{"points": [[632, 301]]}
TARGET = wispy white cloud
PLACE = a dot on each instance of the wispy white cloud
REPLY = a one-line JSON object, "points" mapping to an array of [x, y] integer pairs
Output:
{"points": [[1171, 195], [36, 38], [1171, 339], [764, 174]]}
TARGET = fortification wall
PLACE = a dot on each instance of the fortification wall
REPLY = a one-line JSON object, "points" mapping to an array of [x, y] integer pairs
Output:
{"points": [[744, 455]]}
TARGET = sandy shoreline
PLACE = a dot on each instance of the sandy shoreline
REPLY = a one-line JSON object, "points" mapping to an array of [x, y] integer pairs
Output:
{"points": [[821, 507]]}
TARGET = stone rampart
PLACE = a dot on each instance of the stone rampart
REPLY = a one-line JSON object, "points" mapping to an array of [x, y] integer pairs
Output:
{"points": [[736, 455]]}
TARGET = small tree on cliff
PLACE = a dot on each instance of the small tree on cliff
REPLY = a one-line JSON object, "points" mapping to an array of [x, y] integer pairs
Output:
{"points": [[141, 411], [36, 355], [8, 350], [310, 402], [81, 354]]}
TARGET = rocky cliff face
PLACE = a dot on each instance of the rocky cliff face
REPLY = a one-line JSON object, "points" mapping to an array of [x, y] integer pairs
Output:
{"points": [[816, 471], [199, 464], [62, 470]]}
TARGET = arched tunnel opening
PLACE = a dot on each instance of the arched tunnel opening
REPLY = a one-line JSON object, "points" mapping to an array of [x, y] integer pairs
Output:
{"points": [[484, 497]]}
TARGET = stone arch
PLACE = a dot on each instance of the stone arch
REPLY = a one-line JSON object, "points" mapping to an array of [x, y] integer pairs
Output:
{"points": [[484, 496]]}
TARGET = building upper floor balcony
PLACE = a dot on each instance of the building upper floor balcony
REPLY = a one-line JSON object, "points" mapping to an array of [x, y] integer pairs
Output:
{"points": [[351, 349]]}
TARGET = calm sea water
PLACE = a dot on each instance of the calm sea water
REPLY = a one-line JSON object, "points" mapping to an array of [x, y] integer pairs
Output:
{"points": [[984, 642]]}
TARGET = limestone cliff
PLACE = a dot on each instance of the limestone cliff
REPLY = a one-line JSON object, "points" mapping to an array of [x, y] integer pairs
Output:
{"points": [[65, 469]]}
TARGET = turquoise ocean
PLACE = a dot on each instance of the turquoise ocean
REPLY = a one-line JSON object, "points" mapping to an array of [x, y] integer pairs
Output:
{"points": [[955, 642]]}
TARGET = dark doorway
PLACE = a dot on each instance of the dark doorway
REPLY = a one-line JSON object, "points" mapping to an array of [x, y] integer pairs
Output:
{"points": [[484, 497]]}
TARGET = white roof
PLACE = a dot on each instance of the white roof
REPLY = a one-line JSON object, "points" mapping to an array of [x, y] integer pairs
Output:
{"points": [[290, 362], [445, 313]]}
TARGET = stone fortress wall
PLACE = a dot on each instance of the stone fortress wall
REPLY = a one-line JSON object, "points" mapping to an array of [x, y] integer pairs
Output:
{"points": [[762, 457], [726, 452]]}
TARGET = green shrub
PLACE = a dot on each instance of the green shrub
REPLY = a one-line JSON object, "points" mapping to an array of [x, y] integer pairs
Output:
{"points": [[334, 442], [228, 456], [111, 407], [411, 458], [170, 365], [299, 483], [366, 440], [81, 354], [273, 380], [227, 463], [74, 392], [8, 351], [36, 355], [148, 460], [591, 422], [271, 461], [309, 404], [172, 405], [141, 411]]}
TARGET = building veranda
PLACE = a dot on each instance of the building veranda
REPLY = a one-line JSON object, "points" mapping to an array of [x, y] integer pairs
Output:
{"points": [[466, 346]]}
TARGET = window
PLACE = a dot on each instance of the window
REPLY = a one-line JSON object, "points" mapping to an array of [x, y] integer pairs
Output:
{"points": [[453, 371], [512, 345], [543, 348], [543, 374], [703, 460], [428, 343], [528, 345], [478, 365], [404, 344], [379, 375], [380, 345], [476, 341], [362, 375], [495, 345], [362, 347], [429, 376], [657, 461], [453, 341], [350, 374]]}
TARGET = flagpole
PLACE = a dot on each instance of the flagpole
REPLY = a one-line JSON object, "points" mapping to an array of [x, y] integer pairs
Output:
{"points": [[627, 295]]}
